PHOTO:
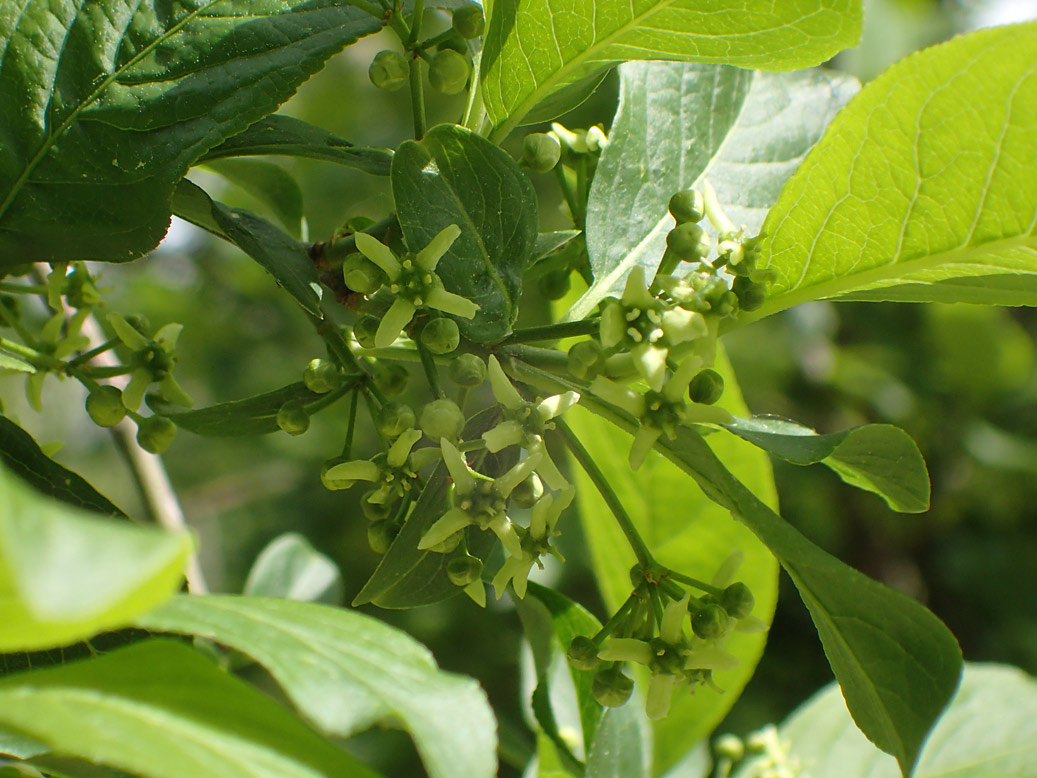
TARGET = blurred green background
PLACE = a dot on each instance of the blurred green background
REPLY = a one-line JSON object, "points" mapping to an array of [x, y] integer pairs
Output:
{"points": [[961, 380]]}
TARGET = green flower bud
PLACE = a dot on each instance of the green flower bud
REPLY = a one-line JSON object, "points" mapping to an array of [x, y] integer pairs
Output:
{"points": [[687, 206], [388, 70], [391, 378], [442, 419], [710, 622], [394, 419], [469, 21], [586, 360], [467, 370], [441, 335], [611, 688], [729, 747], [293, 418], [448, 72], [737, 600], [361, 274], [155, 433], [554, 285], [364, 330], [331, 483], [706, 387], [463, 570], [528, 491], [375, 511], [322, 376], [381, 534], [583, 654], [541, 151], [751, 295], [688, 241], [105, 407]]}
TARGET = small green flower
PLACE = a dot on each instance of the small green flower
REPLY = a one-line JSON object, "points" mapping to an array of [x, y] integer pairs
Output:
{"points": [[57, 344], [391, 477], [536, 541], [152, 362]]}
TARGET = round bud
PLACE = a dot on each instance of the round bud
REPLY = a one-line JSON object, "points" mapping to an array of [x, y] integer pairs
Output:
{"points": [[442, 419], [392, 379], [687, 206], [140, 323], [611, 688], [528, 491], [737, 600], [583, 654], [388, 70], [637, 575], [706, 387], [467, 370], [463, 570], [394, 419], [729, 747], [334, 484], [105, 407], [293, 418], [554, 285], [361, 274], [381, 534], [541, 151], [710, 622], [441, 335], [448, 72], [688, 241], [375, 511], [751, 295], [322, 376], [586, 360], [155, 433], [469, 21], [364, 330]]}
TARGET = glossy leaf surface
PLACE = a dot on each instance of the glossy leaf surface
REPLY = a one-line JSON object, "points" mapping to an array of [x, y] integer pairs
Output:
{"points": [[291, 568], [271, 184], [623, 746]]}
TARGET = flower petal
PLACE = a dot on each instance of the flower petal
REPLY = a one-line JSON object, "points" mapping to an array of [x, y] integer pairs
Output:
{"points": [[503, 390], [505, 434], [677, 386], [175, 393], [451, 521], [356, 470], [448, 302], [611, 392], [464, 481], [477, 591], [613, 324], [400, 450], [503, 529], [505, 484], [126, 332], [395, 319], [133, 394], [660, 691], [379, 253], [670, 630], [429, 257], [635, 293], [644, 439], [651, 364], [709, 658], [168, 335], [627, 650], [725, 574], [554, 406]]}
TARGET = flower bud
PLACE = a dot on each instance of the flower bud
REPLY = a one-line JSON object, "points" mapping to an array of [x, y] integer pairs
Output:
{"points": [[583, 654], [737, 600], [688, 241], [687, 206], [334, 484], [391, 378], [361, 274], [381, 534], [442, 419], [388, 70], [441, 335], [729, 747], [293, 418], [469, 21], [375, 511], [155, 433], [467, 370], [554, 285], [751, 295], [586, 360], [706, 387], [448, 72], [105, 407], [528, 491], [611, 688], [710, 622], [541, 151], [322, 376], [394, 419], [463, 570], [364, 330]]}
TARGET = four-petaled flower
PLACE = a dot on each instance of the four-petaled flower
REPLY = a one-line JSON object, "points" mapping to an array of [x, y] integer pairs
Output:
{"points": [[392, 476], [536, 541], [152, 361]]}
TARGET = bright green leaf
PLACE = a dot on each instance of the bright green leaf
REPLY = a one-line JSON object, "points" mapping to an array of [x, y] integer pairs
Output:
{"points": [[879, 458], [346, 671], [680, 123], [110, 571], [920, 188], [989, 729], [534, 48], [161, 710], [271, 184], [108, 103], [290, 567], [453, 176], [7, 362], [623, 745]]}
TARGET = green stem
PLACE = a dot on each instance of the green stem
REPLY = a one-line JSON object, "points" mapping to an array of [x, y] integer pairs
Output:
{"points": [[435, 40], [331, 397], [644, 556], [700, 585], [8, 319], [338, 347], [351, 427], [567, 192], [27, 353], [616, 619], [86, 356], [415, 23], [106, 372], [544, 358], [7, 286], [428, 364], [417, 99], [372, 411], [565, 329]]}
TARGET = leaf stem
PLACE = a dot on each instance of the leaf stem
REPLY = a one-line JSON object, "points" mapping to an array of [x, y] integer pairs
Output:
{"points": [[351, 428], [428, 364], [700, 585], [417, 98], [616, 619]]}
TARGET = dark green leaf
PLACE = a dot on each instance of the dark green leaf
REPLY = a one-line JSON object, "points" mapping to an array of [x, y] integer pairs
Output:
{"points": [[285, 135], [548, 242], [22, 456], [345, 671], [251, 416], [108, 103], [453, 176], [272, 185], [623, 745], [917, 190], [290, 567], [566, 98], [159, 709], [879, 458]]}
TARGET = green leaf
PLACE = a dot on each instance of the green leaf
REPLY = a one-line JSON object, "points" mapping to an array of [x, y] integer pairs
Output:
{"points": [[290, 567], [989, 729], [547, 242], [7, 362], [66, 574], [534, 49], [345, 671], [285, 258], [623, 746], [687, 532], [678, 124], [161, 710], [22, 456], [878, 458], [453, 176], [917, 191], [272, 185], [285, 135], [108, 103], [251, 416]]}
